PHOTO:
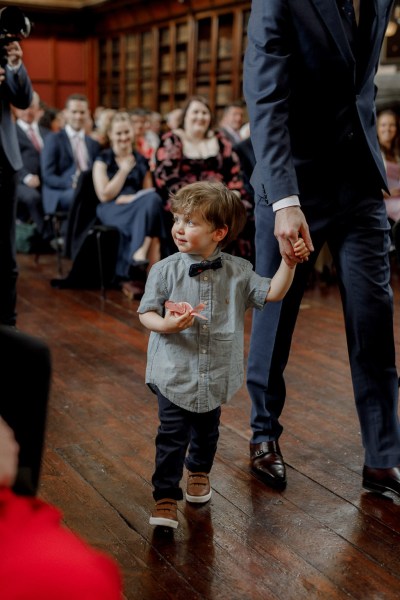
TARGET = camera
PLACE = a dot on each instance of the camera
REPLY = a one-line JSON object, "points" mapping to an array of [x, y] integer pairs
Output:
{"points": [[14, 26]]}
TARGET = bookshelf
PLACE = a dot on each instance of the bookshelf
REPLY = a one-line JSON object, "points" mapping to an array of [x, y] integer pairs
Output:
{"points": [[158, 65]]}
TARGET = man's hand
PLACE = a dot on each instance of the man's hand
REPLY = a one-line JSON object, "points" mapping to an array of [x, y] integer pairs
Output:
{"points": [[33, 181], [14, 54], [8, 455], [290, 223]]}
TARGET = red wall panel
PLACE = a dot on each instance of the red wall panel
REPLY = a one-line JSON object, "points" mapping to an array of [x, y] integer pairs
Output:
{"points": [[70, 61], [38, 58], [59, 67]]}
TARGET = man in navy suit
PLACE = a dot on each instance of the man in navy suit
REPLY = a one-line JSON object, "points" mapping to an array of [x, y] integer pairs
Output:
{"points": [[30, 139], [309, 85], [65, 154], [15, 88]]}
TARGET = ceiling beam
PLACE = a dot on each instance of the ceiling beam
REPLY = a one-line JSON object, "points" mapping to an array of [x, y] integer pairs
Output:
{"points": [[55, 4]]}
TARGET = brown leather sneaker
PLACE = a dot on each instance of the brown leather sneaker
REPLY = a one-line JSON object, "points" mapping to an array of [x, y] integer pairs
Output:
{"points": [[198, 488], [165, 513]]}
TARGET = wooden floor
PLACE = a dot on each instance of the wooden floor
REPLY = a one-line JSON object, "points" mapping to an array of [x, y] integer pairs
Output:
{"points": [[323, 537]]}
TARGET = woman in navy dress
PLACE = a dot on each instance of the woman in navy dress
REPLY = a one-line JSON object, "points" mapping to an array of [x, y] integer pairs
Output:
{"points": [[128, 200]]}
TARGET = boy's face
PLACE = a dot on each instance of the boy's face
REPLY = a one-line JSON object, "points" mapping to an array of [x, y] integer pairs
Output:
{"points": [[193, 235]]}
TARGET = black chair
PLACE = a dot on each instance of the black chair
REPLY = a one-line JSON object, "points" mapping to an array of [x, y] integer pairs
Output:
{"points": [[56, 221], [92, 246]]}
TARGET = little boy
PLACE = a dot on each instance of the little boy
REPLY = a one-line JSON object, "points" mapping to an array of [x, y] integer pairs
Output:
{"points": [[196, 364]]}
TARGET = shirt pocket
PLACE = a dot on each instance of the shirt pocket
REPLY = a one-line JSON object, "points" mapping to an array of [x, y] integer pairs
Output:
{"points": [[226, 360]]}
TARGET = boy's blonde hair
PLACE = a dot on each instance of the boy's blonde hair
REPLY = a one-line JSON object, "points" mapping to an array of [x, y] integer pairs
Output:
{"points": [[218, 205]]}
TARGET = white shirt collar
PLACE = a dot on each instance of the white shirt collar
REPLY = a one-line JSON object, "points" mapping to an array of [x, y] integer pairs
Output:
{"points": [[71, 133], [25, 126]]}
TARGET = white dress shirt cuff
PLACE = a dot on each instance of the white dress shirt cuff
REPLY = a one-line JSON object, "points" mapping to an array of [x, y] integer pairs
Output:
{"points": [[286, 202], [27, 178]]}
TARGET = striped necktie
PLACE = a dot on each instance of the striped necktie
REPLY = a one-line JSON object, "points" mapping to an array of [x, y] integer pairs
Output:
{"points": [[34, 138], [80, 153]]}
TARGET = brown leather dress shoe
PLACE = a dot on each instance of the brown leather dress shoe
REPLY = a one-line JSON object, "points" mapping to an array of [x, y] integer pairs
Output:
{"points": [[382, 480], [267, 463]]}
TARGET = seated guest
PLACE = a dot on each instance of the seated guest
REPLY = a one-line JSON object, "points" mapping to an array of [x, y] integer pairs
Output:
{"points": [[173, 119], [153, 132], [232, 121], [102, 125], [65, 154], [388, 137], [140, 122], [245, 152], [195, 152], [51, 118], [128, 200], [28, 189]]}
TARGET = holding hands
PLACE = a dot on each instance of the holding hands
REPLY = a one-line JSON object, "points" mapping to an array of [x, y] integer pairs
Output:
{"points": [[300, 250], [289, 224]]}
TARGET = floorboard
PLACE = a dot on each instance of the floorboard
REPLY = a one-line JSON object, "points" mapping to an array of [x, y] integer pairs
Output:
{"points": [[322, 538]]}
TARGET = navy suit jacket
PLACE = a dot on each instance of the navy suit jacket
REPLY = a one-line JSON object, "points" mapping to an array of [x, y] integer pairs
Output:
{"points": [[304, 94], [17, 90], [29, 154], [58, 166]]}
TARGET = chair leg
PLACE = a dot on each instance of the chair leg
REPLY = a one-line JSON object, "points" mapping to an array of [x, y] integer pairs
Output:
{"points": [[56, 223], [100, 259]]}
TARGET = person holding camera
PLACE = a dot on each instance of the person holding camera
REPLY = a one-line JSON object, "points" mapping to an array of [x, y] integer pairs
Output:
{"points": [[16, 90]]}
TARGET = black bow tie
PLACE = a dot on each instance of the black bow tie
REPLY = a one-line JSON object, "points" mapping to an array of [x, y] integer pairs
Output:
{"points": [[198, 268]]}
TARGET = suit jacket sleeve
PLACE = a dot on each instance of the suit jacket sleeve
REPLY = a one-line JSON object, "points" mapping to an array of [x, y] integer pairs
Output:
{"points": [[18, 88], [266, 88]]}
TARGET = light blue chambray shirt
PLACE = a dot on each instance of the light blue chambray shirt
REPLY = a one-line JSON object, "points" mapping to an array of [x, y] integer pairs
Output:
{"points": [[201, 367]]}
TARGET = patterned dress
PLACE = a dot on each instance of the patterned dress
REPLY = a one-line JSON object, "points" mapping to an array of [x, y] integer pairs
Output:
{"points": [[174, 170]]}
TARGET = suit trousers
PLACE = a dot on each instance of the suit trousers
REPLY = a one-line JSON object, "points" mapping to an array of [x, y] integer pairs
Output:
{"points": [[8, 261], [352, 219], [179, 430]]}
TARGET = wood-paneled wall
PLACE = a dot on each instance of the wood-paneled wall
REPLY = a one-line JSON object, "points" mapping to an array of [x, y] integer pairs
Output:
{"points": [[153, 54], [59, 67]]}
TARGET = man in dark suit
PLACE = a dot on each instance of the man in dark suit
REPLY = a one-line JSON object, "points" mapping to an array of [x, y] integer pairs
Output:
{"points": [[232, 121], [15, 88], [309, 86], [30, 139], [65, 154]]}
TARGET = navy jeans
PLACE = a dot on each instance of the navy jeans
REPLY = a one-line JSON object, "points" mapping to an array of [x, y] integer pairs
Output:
{"points": [[179, 431]]}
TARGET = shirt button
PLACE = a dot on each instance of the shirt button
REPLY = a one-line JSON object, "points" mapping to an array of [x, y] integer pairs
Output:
{"points": [[205, 278], [204, 351], [204, 326]]}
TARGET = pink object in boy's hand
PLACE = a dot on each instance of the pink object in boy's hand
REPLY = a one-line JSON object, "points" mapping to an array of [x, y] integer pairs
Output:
{"points": [[182, 307]]}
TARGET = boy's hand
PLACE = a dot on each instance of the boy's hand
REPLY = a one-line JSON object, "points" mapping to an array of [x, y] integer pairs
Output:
{"points": [[174, 322], [300, 250]]}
